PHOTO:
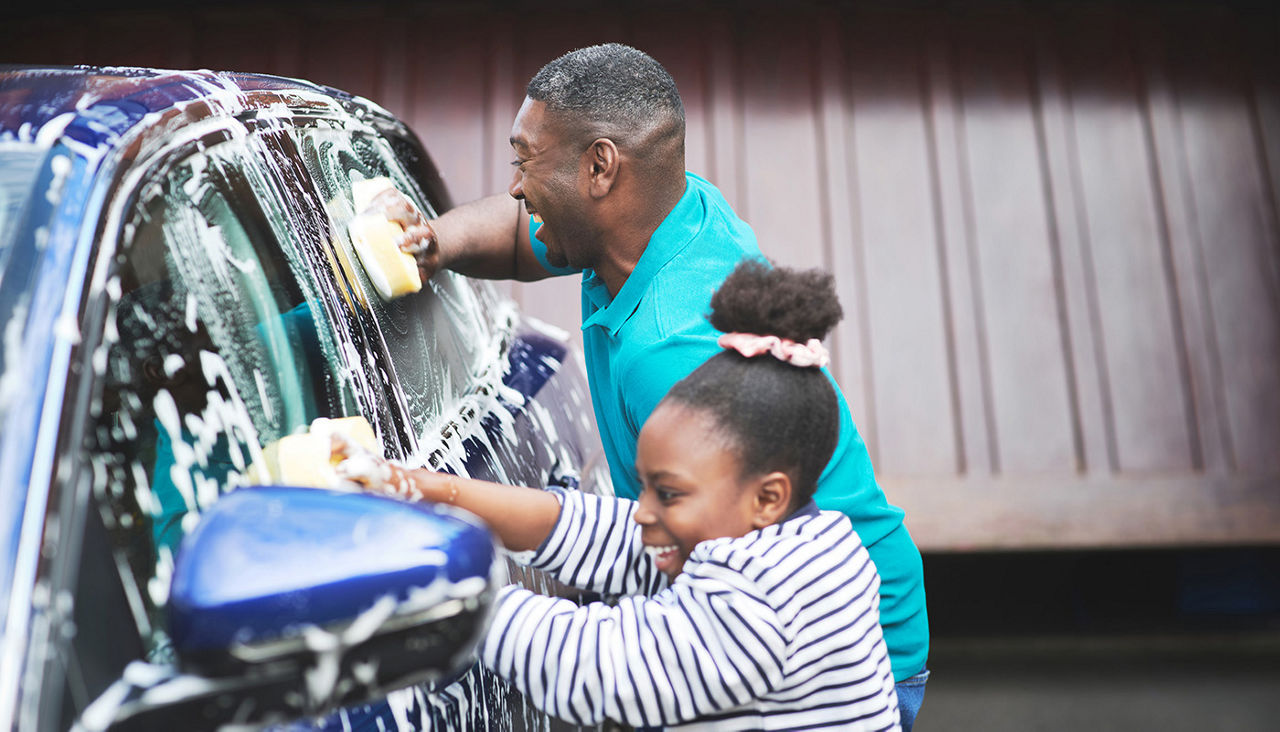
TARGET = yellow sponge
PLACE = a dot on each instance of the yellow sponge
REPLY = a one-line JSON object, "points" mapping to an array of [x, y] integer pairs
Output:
{"points": [[364, 191], [306, 459], [392, 272]]}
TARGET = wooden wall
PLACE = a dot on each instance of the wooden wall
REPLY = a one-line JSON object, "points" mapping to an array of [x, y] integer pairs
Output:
{"points": [[1054, 226]]}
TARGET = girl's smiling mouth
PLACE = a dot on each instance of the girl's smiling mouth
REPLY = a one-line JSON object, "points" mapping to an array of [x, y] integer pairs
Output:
{"points": [[664, 557]]}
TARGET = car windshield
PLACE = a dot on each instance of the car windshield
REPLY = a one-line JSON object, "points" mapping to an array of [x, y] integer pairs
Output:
{"points": [[19, 166]]}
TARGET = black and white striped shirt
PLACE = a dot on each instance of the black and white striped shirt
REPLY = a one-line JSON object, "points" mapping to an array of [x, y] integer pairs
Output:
{"points": [[775, 630]]}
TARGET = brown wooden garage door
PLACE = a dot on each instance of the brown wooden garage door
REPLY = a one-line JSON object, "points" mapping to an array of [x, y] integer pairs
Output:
{"points": [[1054, 226]]}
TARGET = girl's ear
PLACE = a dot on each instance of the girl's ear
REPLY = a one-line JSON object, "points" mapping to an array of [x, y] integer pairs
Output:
{"points": [[773, 499]]}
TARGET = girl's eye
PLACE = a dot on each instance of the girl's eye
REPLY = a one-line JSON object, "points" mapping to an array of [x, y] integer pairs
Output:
{"points": [[663, 495]]}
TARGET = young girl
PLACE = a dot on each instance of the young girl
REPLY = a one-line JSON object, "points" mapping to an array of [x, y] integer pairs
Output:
{"points": [[746, 607]]}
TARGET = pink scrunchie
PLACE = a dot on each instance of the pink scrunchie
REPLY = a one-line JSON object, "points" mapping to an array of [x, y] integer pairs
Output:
{"points": [[787, 351]]}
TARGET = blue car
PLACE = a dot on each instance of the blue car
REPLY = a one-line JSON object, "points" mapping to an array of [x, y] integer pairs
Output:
{"points": [[178, 290]]}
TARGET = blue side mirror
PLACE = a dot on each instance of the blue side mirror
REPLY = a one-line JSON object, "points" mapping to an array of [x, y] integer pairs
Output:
{"points": [[287, 602], [362, 593]]}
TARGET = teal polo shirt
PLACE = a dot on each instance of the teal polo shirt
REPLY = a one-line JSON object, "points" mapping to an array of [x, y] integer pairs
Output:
{"points": [[655, 332]]}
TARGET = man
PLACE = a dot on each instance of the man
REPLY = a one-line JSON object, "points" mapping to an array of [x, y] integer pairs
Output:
{"points": [[599, 172]]}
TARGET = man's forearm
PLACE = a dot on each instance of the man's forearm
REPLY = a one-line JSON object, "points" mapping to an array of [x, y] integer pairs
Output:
{"points": [[487, 238]]}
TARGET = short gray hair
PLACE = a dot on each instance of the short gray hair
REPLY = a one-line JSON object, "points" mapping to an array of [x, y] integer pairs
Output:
{"points": [[610, 85]]}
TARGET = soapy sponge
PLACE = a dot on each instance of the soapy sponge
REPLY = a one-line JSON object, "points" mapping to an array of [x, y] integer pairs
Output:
{"points": [[305, 459], [392, 272]]}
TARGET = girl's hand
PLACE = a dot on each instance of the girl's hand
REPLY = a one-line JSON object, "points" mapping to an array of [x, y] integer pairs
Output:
{"points": [[520, 517], [376, 473], [358, 465]]}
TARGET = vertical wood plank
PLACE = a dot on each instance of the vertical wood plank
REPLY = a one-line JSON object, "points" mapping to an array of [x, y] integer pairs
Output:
{"points": [[44, 41], [356, 32], [1031, 404], [158, 40], [955, 217], [1124, 256], [1235, 226], [847, 343], [449, 95], [781, 151], [908, 339], [502, 95], [1264, 49], [397, 65], [504, 90], [676, 41], [288, 44], [243, 40], [726, 112], [1186, 250], [1096, 430]]}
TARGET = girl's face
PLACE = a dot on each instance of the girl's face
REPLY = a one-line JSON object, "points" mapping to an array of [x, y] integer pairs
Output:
{"points": [[692, 488]]}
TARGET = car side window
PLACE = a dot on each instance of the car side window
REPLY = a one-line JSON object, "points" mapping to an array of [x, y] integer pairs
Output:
{"points": [[210, 351], [437, 338]]}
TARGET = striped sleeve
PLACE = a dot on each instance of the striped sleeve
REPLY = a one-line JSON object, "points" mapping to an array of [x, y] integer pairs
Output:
{"points": [[595, 545], [699, 648]]}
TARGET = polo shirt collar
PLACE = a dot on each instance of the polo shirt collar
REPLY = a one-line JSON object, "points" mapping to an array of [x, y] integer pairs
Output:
{"points": [[669, 239]]}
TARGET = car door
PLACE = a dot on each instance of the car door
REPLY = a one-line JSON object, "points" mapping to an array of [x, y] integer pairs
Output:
{"points": [[205, 337], [224, 312], [202, 343]]}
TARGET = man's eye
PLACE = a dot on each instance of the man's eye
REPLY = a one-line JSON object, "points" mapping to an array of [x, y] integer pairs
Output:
{"points": [[517, 163]]}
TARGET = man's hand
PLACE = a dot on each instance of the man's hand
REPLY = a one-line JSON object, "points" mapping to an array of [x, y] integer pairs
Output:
{"points": [[419, 238]]}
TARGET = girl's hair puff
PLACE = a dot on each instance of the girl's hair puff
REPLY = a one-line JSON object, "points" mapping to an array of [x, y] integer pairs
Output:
{"points": [[774, 416]]}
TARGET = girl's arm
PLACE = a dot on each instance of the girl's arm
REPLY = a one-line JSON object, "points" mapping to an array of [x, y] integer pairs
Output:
{"points": [[591, 543], [520, 517]]}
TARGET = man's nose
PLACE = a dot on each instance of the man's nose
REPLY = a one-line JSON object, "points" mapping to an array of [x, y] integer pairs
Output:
{"points": [[516, 189]]}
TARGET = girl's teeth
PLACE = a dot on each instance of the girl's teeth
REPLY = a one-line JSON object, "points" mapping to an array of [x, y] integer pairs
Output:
{"points": [[655, 551]]}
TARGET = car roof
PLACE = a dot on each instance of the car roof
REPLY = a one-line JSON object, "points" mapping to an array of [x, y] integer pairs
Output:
{"points": [[100, 104]]}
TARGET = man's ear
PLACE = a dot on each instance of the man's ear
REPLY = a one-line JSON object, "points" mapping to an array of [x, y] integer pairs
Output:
{"points": [[602, 160], [773, 499]]}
